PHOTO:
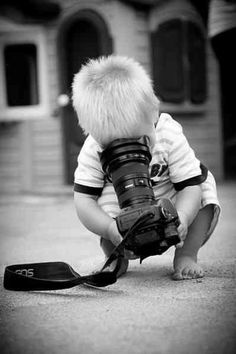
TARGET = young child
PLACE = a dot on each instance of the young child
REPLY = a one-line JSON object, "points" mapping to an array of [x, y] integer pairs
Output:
{"points": [[114, 98]]}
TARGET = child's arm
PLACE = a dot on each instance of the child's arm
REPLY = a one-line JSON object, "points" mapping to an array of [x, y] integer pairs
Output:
{"points": [[188, 202], [95, 219]]}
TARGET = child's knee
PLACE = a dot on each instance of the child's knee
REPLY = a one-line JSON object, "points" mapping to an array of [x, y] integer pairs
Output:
{"points": [[206, 214], [202, 223]]}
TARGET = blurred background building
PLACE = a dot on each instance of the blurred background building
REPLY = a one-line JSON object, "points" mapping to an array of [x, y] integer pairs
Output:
{"points": [[43, 43]]}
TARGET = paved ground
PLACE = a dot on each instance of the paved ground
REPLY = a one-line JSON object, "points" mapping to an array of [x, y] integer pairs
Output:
{"points": [[144, 312]]}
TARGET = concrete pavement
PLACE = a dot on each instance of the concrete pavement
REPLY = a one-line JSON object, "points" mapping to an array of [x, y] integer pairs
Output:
{"points": [[144, 312]]}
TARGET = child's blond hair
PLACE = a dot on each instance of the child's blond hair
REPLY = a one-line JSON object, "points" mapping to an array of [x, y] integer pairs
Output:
{"points": [[111, 95]]}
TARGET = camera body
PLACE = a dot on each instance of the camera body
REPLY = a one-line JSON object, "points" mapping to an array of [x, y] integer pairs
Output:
{"points": [[126, 164], [155, 235]]}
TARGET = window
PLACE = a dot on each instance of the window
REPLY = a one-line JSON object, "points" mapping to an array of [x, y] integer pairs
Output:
{"points": [[21, 74], [179, 62], [23, 71]]}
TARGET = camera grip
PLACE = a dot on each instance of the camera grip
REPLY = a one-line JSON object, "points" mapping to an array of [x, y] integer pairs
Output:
{"points": [[154, 234]]}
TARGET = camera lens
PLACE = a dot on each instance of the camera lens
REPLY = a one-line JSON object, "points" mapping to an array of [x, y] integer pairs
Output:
{"points": [[126, 163]]}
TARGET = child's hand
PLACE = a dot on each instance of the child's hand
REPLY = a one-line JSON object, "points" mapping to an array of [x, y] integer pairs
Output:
{"points": [[130, 255], [182, 228], [113, 234], [116, 238]]}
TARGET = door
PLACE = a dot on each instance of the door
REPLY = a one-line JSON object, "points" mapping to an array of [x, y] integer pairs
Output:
{"points": [[84, 37]]}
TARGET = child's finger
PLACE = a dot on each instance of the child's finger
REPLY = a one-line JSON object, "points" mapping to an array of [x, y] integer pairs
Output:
{"points": [[179, 245], [182, 231], [130, 255]]}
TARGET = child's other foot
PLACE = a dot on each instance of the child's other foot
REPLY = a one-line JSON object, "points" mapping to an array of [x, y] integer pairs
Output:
{"points": [[120, 266], [186, 267]]}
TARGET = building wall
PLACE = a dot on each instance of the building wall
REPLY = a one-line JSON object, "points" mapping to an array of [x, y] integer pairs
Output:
{"points": [[202, 126], [31, 149], [204, 130], [10, 174], [31, 152]]}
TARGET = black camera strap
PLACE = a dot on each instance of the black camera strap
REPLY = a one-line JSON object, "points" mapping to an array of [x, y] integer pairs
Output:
{"points": [[60, 275], [119, 250], [51, 276]]}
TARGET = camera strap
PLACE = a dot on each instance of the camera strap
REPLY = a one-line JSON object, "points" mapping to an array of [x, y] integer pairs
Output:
{"points": [[60, 275], [51, 276], [119, 250]]}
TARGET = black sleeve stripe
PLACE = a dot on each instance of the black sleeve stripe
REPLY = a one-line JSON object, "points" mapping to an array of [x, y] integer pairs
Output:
{"points": [[87, 190], [192, 181]]}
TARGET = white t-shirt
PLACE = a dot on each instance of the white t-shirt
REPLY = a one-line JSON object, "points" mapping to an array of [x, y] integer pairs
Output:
{"points": [[173, 167], [222, 16]]}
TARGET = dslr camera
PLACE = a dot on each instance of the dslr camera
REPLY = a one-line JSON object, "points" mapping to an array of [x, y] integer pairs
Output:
{"points": [[152, 223]]}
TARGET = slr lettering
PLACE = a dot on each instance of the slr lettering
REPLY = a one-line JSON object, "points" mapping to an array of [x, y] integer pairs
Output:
{"points": [[27, 272]]}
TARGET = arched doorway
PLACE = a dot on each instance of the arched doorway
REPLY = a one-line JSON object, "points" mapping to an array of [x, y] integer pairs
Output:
{"points": [[84, 36]]}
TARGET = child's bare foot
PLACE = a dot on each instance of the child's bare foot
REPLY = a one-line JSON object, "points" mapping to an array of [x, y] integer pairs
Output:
{"points": [[186, 267], [120, 266]]}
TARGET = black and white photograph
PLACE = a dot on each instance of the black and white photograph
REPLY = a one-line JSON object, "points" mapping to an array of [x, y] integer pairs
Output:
{"points": [[117, 176]]}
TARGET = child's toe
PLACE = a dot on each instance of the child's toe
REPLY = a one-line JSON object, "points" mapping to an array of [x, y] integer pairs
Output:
{"points": [[188, 273], [177, 275]]}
